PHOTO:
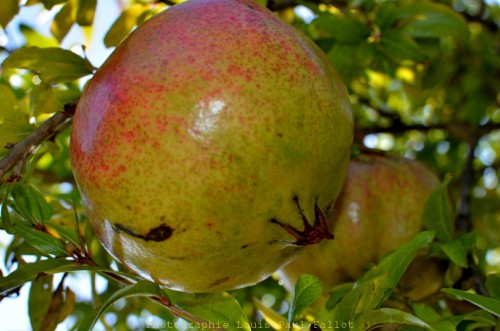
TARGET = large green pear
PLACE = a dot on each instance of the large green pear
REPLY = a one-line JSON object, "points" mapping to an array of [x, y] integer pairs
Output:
{"points": [[379, 208], [209, 145]]}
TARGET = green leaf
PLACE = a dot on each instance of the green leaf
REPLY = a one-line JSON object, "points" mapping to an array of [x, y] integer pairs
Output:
{"points": [[489, 304], [123, 25], [455, 252], [478, 316], [41, 240], [67, 233], [431, 20], [220, 309], [39, 300], [443, 326], [34, 38], [377, 284], [14, 124], [9, 9], [397, 44], [382, 316], [386, 275], [85, 12], [43, 100], [273, 319], [8, 104], [64, 20], [30, 271], [31, 204], [307, 290], [342, 28], [54, 65], [424, 312], [493, 285], [437, 212], [140, 289], [386, 14]]}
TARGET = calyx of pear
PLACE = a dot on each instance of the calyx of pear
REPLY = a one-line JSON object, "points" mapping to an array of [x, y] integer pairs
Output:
{"points": [[210, 144], [379, 208]]}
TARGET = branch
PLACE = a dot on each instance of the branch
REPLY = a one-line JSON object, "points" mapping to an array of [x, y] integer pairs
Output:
{"points": [[167, 2], [462, 131], [46, 130], [277, 5], [463, 222], [482, 16]]}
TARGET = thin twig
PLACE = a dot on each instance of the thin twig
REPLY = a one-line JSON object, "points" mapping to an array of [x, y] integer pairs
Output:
{"points": [[45, 131]]}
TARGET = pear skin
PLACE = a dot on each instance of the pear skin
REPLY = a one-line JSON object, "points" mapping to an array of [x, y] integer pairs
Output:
{"points": [[209, 144]]}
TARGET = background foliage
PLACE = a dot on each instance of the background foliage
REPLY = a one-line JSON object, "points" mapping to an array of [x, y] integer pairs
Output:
{"points": [[424, 80]]}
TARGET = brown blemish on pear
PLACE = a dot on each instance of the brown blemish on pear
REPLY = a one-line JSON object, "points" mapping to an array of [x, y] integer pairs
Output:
{"points": [[159, 233]]}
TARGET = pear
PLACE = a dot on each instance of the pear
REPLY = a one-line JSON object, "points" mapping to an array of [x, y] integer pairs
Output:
{"points": [[379, 208], [210, 145]]}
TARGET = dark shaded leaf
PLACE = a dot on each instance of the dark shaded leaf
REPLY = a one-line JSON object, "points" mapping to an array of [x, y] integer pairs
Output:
{"points": [[342, 28], [397, 44], [430, 19], [479, 316], [386, 14], [337, 293], [54, 65], [51, 3], [61, 306], [7, 224], [493, 285], [30, 271], [9, 9], [455, 252], [437, 213], [39, 300], [64, 20], [123, 25], [85, 12]]}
